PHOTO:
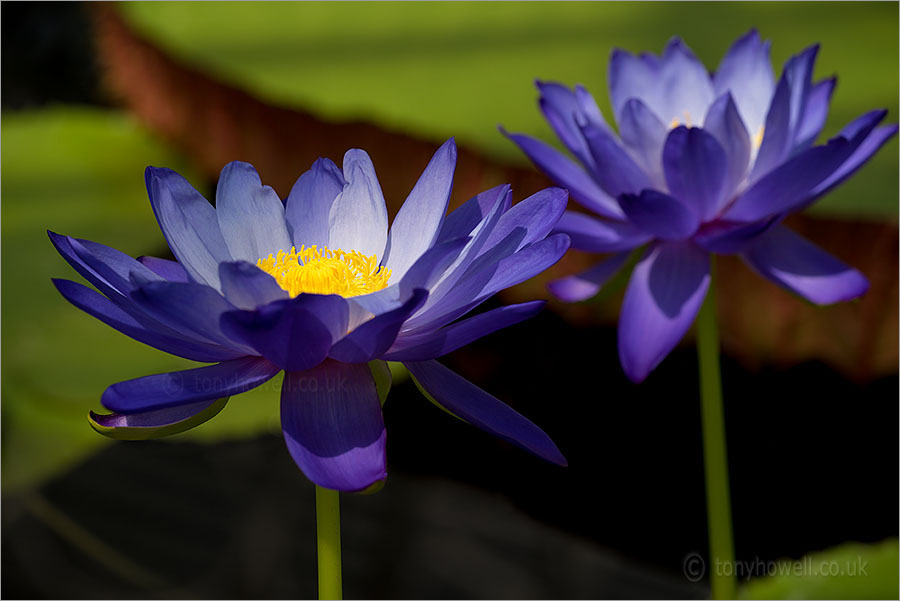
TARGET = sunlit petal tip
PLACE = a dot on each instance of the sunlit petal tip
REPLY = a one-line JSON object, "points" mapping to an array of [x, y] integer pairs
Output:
{"points": [[418, 222], [463, 399], [358, 217], [803, 268]]}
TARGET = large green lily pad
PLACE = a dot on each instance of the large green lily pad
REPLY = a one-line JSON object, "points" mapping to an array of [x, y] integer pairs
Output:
{"points": [[77, 172], [849, 571], [458, 69]]}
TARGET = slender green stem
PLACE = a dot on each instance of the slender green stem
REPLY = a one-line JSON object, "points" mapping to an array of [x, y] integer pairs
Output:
{"points": [[328, 537], [718, 503]]}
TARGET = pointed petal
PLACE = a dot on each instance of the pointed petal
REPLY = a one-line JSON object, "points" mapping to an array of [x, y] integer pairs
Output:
{"points": [[371, 339], [170, 270], [560, 106], [251, 216], [615, 170], [724, 123], [534, 217], [333, 427], [675, 86], [432, 265], [799, 70], [467, 401], [644, 135], [157, 423], [663, 297], [787, 112], [480, 284], [103, 266], [814, 114], [358, 218], [776, 134], [746, 71], [788, 184], [294, 334], [588, 107], [187, 307], [308, 206], [416, 226], [874, 141], [586, 284], [115, 274], [462, 221], [696, 169], [246, 286], [186, 387], [593, 235], [786, 187], [188, 223], [567, 174], [800, 266], [520, 266], [467, 256], [684, 88], [65, 247], [102, 308], [630, 77], [431, 345]]}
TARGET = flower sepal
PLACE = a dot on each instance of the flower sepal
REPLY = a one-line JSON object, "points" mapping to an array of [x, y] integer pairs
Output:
{"points": [[381, 373], [373, 488], [157, 423], [432, 400]]}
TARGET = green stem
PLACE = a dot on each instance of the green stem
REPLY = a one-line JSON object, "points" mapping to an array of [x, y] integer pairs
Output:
{"points": [[328, 537], [718, 504]]}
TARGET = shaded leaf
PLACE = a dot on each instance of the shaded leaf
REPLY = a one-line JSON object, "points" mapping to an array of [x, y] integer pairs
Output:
{"points": [[850, 571]]}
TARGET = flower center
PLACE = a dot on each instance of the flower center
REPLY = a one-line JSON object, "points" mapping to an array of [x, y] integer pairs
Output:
{"points": [[325, 271]]}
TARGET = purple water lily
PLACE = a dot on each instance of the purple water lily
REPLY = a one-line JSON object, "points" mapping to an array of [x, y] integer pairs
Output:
{"points": [[702, 164], [319, 287]]}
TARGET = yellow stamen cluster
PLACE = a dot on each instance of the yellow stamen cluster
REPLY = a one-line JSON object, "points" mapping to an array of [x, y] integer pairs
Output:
{"points": [[757, 139], [675, 122], [325, 271]]}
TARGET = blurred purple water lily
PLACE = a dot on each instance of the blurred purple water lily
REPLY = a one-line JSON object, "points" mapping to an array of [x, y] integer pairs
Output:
{"points": [[320, 287], [701, 164]]}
